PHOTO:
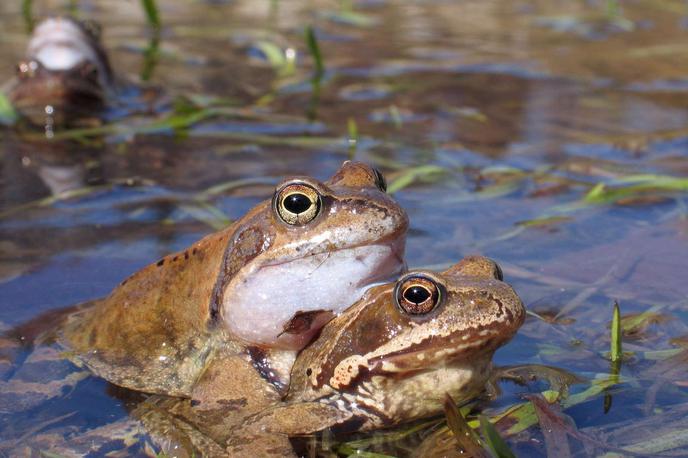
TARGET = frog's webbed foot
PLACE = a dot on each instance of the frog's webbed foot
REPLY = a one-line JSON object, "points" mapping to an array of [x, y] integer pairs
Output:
{"points": [[169, 428], [267, 433]]}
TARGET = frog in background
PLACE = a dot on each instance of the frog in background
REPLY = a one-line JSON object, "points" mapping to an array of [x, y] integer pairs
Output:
{"points": [[65, 77]]}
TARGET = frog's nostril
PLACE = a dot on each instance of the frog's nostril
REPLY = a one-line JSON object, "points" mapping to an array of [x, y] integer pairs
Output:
{"points": [[380, 181], [499, 275]]}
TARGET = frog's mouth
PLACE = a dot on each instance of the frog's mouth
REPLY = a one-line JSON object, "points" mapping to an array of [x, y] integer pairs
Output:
{"points": [[441, 352], [266, 300], [68, 95]]}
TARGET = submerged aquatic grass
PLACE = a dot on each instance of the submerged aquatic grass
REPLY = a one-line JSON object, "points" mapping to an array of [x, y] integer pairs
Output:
{"points": [[634, 186], [615, 351], [493, 440], [466, 438]]}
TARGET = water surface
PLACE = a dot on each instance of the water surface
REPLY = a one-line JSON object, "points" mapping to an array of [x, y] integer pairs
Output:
{"points": [[509, 116]]}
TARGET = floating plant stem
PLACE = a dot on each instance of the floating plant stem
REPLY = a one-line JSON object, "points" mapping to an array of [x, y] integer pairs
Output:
{"points": [[615, 350], [410, 175], [615, 354], [150, 56], [151, 10], [27, 14], [314, 49]]}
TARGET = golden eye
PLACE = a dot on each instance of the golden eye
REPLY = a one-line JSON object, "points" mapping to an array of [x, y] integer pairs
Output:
{"points": [[417, 294], [297, 204]]}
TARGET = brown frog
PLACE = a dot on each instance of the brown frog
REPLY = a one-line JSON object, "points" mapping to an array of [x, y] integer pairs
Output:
{"points": [[392, 357], [271, 279], [65, 77], [388, 359]]}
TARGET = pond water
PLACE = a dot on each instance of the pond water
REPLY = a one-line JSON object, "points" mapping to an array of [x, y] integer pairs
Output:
{"points": [[549, 136]]}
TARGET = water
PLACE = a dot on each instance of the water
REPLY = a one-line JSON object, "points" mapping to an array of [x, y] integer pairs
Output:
{"points": [[521, 107]]}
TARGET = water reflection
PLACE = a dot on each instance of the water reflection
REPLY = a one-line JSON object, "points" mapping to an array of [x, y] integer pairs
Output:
{"points": [[38, 169]]}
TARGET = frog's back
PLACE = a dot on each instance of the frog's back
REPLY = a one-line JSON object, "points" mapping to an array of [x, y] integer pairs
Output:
{"points": [[152, 333]]}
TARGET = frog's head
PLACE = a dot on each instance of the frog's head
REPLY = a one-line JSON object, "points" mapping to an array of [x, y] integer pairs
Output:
{"points": [[315, 248], [65, 75], [392, 356]]}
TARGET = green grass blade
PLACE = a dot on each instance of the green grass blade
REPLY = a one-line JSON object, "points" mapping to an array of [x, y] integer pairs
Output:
{"points": [[27, 14], [314, 49], [150, 57], [493, 440], [7, 114], [615, 350], [633, 186], [273, 53], [411, 175], [151, 10]]}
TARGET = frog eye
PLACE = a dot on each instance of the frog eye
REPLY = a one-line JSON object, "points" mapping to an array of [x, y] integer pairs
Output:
{"points": [[297, 204], [27, 69], [380, 181], [417, 294]]}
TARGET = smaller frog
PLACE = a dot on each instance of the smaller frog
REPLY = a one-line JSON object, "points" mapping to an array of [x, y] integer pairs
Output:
{"points": [[390, 358], [393, 356], [66, 76]]}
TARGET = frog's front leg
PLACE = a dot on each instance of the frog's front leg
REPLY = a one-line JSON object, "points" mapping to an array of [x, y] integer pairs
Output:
{"points": [[267, 433], [166, 420], [229, 390]]}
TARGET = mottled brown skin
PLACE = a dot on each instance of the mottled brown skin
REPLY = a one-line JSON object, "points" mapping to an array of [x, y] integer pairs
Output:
{"points": [[375, 366], [371, 367], [161, 330]]}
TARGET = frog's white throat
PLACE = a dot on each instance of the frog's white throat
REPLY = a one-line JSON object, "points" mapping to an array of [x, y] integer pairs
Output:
{"points": [[260, 302], [60, 44]]}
